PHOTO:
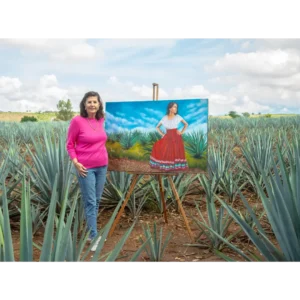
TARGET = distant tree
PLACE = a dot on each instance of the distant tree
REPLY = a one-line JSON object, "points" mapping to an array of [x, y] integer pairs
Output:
{"points": [[268, 115], [252, 113], [259, 113], [233, 114], [65, 112], [246, 114], [29, 119]]}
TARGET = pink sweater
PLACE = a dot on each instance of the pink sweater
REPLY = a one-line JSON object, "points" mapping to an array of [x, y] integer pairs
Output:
{"points": [[86, 144]]}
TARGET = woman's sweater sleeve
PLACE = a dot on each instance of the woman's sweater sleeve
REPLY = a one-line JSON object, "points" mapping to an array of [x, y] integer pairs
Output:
{"points": [[72, 138]]}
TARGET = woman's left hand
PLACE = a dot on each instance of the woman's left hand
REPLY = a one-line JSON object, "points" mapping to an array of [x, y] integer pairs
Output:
{"points": [[179, 132]]}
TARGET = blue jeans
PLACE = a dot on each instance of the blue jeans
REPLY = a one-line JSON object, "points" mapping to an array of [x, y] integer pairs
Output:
{"points": [[91, 188]]}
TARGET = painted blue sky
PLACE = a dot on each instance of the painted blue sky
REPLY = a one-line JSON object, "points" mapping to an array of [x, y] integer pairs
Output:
{"points": [[244, 75], [145, 116]]}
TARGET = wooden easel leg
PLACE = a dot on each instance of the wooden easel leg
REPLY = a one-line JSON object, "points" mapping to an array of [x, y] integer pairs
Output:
{"points": [[131, 188], [180, 206], [162, 197]]}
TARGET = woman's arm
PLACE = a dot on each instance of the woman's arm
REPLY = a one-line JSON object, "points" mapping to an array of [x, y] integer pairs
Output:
{"points": [[158, 129], [72, 134], [184, 127]]}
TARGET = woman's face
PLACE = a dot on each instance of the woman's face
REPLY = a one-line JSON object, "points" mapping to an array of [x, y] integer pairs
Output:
{"points": [[92, 105], [173, 109]]}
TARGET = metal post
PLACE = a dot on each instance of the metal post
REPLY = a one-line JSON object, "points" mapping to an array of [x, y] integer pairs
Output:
{"points": [[155, 91]]}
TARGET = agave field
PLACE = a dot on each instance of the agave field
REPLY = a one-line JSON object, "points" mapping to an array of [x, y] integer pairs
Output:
{"points": [[246, 207]]}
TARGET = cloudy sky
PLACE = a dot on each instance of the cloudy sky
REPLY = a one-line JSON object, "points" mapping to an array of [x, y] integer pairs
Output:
{"points": [[245, 75], [144, 116]]}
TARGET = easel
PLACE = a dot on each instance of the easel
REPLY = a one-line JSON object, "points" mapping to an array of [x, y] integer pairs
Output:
{"points": [[159, 179]]}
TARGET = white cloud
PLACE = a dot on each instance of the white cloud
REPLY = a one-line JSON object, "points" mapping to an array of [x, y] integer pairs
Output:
{"points": [[118, 120], [247, 105], [153, 112], [47, 81], [113, 127], [44, 95], [194, 91], [268, 92], [285, 110], [219, 103], [197, 126], [261, 63], [113, 80], [149, 120], [9, 85], [81, 51], [268, 77], [147, 92], [196, 113]]}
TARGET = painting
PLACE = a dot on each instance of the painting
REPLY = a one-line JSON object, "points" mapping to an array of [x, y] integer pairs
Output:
{"points": [[165, 136]]}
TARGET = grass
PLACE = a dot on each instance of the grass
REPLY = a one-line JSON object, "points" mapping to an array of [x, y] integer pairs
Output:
{"points": [[136, 152], [17, 116], [259, 116], [196, 162]]}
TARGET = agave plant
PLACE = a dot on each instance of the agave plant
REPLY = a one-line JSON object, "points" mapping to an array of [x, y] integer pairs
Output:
{"points": [[182, 184], [218, 220], [231, 183], [60, 242], [220, 159], [281, 202], [50, 158], [114, 137], [13, 154], [145, 139], [116, 188], [128, 139], [12, 184], [153, 136], [258, 153], [196, 143], [156, 245]]}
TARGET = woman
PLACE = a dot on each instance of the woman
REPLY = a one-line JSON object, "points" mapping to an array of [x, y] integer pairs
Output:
{"points": [[168, 153], [86, 147]]}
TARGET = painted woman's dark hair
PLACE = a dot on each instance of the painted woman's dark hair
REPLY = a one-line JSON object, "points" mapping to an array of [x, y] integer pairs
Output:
{"points": [[170, 105], [99, 113]]}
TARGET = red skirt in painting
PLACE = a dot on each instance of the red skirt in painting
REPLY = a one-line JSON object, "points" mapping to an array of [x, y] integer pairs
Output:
{"points": [[168, 153]]}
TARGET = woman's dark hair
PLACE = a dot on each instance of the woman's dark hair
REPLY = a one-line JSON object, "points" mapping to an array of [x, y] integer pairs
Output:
{"points": [[170, 105], [99, 113]]}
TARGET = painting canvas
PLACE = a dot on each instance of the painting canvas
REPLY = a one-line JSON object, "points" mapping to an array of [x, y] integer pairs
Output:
{"points": [[165, 136]]}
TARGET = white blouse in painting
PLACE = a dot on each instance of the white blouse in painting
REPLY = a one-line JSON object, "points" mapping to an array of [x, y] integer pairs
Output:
{"points": [[171, 124]]}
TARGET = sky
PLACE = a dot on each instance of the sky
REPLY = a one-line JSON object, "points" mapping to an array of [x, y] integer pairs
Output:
{"points": [[144, 116], [244, 75]]}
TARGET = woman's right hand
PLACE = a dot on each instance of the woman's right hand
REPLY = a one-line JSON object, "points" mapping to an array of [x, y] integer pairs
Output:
{"points": [[82, 171]]}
